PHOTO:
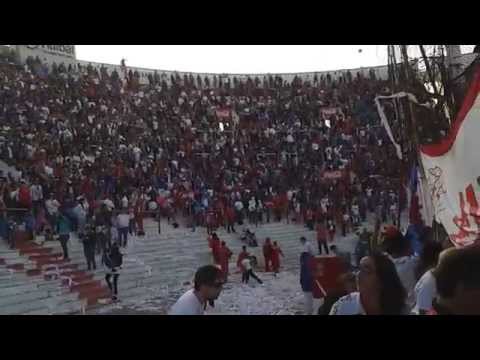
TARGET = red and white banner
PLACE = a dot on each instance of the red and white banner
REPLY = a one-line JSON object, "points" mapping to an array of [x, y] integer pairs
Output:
{"points": [[452, 171]]}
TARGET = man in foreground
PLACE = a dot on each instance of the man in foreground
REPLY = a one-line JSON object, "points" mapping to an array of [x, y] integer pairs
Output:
{"points": [[458, 283], [208, 284]]}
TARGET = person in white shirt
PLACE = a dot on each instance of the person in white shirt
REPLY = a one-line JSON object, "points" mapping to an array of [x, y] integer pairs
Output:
{"points": [[247, 271], [36, 192], [123, 222], [124, 202], [380, 291], [208, 285], [239, 209], [425, 290], [398, 247], [80, 212], [52, 206]]}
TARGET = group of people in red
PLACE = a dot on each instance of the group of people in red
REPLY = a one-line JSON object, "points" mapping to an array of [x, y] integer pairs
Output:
{"points": [[222, 254]]}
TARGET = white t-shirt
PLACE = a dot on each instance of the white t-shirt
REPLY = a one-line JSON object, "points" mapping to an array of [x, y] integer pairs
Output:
{"points": [[239, 205], [307, 247], [123, 220], [425, 292], [52, 206], [187, 304], [251, 205], [36, 192], [406, 272], [355, 210], [348, 305], [246, 264]]}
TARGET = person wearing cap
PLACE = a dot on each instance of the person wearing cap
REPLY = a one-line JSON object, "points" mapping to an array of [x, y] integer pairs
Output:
{"points": [[208, 284], [399, 250]]}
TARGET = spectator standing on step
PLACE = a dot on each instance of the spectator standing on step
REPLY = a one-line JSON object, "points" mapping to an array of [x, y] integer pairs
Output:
{"points": [[64, 228], [230, 217], [306, 262], [267, 254], [214, 243], [276, 253], [52, 205], [322, 238], [89, 243], [113, 260], [224, 254], [123, 221], [208, 284]]}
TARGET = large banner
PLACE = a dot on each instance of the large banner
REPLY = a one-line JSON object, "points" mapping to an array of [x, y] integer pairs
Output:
{"points": [[452, 171], [47, 53]]}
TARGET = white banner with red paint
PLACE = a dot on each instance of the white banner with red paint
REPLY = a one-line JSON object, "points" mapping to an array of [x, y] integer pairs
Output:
{"points": [[452, 171]]}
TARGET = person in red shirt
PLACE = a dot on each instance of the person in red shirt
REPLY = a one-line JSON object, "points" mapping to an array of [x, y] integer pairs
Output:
{"points": [[267, 254], [322, 238], [224, 255], [276, 252], [230, 217], [24, 196], [215, 246]]}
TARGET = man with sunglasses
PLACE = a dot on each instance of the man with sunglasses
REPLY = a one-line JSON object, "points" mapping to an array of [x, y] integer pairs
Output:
{"points": [[208, 284]]}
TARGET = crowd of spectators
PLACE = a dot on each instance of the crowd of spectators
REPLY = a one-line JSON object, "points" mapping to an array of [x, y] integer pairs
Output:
{"points": [[96, 152], [216, 152]]}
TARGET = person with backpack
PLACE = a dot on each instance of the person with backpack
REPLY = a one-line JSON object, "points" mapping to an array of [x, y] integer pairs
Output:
{"points": [[113, 260]]}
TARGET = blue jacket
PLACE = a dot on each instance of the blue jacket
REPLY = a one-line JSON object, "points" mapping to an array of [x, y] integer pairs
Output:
{"points": [[64, 225], [305, 272]]}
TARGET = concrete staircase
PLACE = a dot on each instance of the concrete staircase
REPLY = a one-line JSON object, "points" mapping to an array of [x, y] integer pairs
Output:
{"points": [[152, 265]]}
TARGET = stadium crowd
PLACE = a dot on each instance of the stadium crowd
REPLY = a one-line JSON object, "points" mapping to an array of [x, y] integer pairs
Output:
{"points": [[98, 151], [213, 151]]}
